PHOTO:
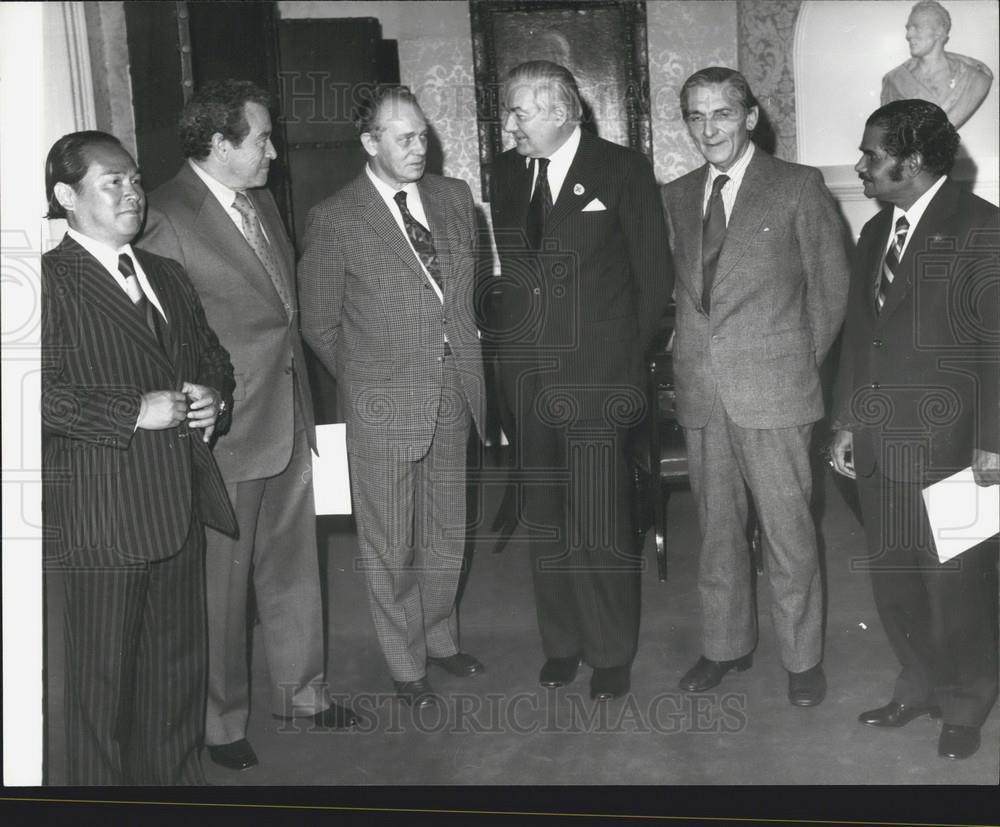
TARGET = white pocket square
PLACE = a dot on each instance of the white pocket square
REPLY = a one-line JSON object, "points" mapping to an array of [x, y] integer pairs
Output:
{"points": [[594, 206]]}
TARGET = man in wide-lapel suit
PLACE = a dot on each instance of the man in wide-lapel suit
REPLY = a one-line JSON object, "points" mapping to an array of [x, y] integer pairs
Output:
{"points": [[916, 401], [585, 277], [217, 218], [763, 276], [387, 279], [132, 382]]}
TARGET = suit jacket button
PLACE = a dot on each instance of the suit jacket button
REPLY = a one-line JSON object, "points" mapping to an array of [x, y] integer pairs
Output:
{"points": [[875, 386], [289, 370], [536, 290], [876, 343]]}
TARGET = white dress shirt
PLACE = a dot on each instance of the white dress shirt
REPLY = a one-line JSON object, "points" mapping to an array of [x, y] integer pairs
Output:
{"points": [[732, 187], [559, 164], [225, 196], [913, 215], [108, 257]]}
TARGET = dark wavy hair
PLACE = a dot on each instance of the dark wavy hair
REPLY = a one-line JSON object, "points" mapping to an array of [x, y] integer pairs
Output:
{"points": [[917, 126], [371, 100], [218, 107], [67, 163], [718, 74]]}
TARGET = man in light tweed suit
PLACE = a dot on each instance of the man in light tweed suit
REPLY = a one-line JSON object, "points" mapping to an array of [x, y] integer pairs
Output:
{"points": [[386, 284], [762, 288]]}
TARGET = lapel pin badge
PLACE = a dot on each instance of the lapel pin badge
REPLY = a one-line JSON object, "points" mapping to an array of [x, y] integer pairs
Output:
{"points": [[578, 189]]}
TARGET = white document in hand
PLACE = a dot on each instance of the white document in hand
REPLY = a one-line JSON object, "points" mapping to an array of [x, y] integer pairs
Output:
{"points": [[331, 483], [961, 513]]}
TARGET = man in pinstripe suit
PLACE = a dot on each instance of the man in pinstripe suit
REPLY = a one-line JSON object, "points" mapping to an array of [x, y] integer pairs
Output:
{"points": [[133, 380], [386, 284], [585, 277]]}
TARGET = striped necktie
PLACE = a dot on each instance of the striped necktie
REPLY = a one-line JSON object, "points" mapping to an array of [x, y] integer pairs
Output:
{"points": [[891, 261]]}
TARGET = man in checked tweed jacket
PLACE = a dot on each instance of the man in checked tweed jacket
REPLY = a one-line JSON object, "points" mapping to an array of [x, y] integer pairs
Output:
{"points": [[386, 286]]}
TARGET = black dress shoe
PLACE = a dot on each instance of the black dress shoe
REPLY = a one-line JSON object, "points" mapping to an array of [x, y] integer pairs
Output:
{"points": [[897, 715], [416, 693], [610, 682], [238, 755], [460, 664], [807, 688], [958, 741], [559, 671], [708, 673], [334, 716]]}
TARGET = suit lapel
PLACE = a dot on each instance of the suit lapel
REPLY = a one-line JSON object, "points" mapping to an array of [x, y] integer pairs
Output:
{"points": [[688, 232], [99, 289], [578, 188], [437, 219], [749, 211], [942, 208], [376, 213], [214, 225], [281, 250]]}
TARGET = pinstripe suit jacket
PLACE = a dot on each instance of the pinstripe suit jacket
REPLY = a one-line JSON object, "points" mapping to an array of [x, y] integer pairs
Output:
{"points": [[584, 310], [778, 298], [918, 382], [187, 223], [115, 496], [370, 315]]}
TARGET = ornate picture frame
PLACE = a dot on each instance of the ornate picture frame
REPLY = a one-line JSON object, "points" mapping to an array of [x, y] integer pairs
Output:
{"points": [[602, 42]]}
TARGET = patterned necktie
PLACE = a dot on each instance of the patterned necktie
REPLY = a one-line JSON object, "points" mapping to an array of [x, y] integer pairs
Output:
{"points": [[257, 241], [421, 239], [142, 305], [540, 205], [713, 234], [891, 262]]}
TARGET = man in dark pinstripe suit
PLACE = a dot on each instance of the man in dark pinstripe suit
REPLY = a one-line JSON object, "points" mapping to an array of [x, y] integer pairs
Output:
{"points": [[386, 285], [585, 276], [133, 380]]}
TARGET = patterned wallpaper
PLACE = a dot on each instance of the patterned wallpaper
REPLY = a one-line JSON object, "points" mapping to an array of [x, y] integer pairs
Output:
{"points": [[684, 36], [766, 43]]}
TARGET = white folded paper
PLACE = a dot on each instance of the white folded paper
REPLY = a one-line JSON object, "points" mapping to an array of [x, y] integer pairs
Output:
{"points": [[961, 513], [331, 482]]}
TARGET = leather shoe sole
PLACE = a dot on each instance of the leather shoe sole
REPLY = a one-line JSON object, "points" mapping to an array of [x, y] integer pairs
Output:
{"points": [[957, 742], [557, 672], [610, 682], [807, 688], [417, 694], [460, 665], [238, 755], [706, 673], [896, 715]]}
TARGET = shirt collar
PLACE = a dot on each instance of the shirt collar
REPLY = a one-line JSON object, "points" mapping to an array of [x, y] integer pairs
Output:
{"points": [[918, 207], [737, 169], [388, 192], [563, 156], [104, 253], [222, 193]]}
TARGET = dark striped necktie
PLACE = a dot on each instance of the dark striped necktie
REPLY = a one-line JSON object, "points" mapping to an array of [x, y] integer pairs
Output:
{"points": [[891, 262], [421, 239]]}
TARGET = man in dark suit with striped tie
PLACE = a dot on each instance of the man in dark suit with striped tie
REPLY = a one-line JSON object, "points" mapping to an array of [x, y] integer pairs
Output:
{"points": [[585, 277], [133, 380], [217, 218], [387, 279], [916, 401]]}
